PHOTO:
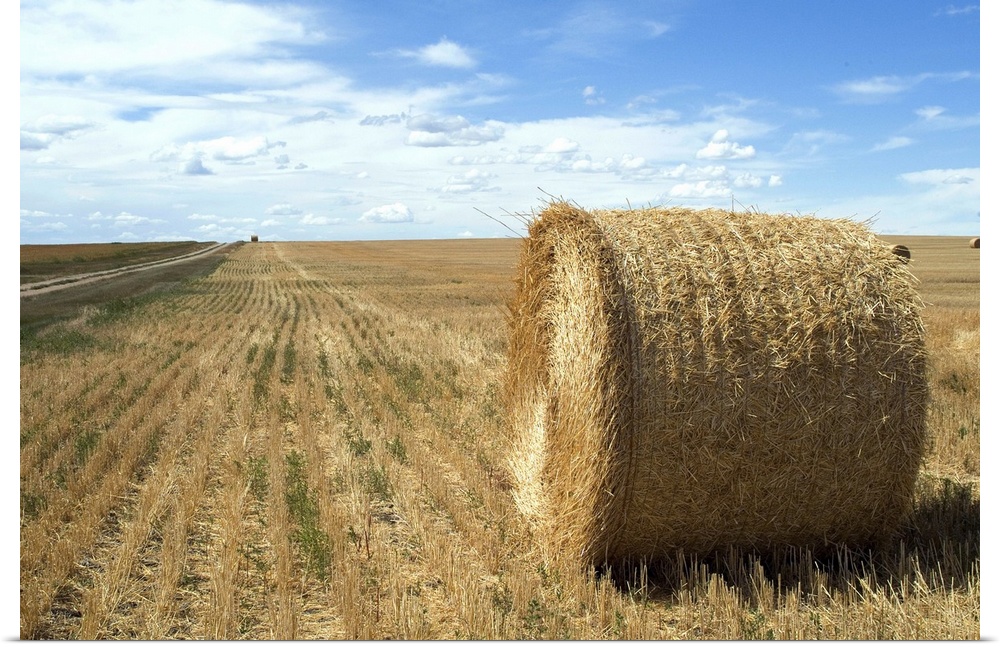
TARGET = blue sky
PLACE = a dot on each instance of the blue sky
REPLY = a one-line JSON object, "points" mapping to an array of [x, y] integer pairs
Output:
{"points": [[210, 120]]}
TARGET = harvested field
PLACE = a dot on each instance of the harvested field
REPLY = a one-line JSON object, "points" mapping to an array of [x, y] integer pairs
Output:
{"points": [[310, 442]]}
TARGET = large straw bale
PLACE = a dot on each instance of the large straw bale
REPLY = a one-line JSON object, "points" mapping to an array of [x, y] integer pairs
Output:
{"points": [[974, 243], [697, 379]]}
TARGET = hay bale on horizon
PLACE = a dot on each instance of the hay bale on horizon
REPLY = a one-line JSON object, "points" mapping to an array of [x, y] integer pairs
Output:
{"points": [[974, 243], [901, 251], [696, 379], [254, 238]]}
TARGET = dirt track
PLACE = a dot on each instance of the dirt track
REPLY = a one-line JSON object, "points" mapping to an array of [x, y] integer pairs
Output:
{"points": [[43, 305], [51, 285]]}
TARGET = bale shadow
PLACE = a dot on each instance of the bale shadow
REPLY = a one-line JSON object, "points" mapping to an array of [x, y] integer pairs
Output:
{"points": [[938, 548]]}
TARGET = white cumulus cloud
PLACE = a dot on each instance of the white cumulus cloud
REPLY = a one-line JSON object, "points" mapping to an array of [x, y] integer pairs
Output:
{"points": [[43, 131], [228, 149], [388, 213], [747, 181], [122, 219], [430, 131], [310, 219], [282, 209], [471, 181], [562, 145], [701, 189], [231, 149], [444, 53], [591, 96], [194, 166], [721, 148], [586, 165], [34, 213]]}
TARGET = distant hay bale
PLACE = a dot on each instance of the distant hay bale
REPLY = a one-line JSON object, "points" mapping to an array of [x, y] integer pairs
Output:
{"points": [[253, 238], [696, 379], [901, 251], [974, 243]]}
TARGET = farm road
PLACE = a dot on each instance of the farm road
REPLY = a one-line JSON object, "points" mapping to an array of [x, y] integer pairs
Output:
{"points": [[51, 285], [41, 307]]}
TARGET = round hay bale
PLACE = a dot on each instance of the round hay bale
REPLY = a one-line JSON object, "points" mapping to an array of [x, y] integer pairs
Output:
{"points": [[696, 379], [901, 251], [974, 243], [253, 238]]}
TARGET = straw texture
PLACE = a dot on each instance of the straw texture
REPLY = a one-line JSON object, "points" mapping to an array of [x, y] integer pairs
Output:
{"points": [[695, 379]]}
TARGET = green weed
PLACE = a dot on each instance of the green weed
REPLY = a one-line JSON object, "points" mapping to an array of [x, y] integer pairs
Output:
{"points": [[397, 449], [252, 352], [409, 378], [303, 506], [324, 365], [357, 443], [376, 482], [32, 505], [85, 444], [752, 627], [58, 340], [121, 308], [288, 362], [263, 373], [533, 621], [365, 365], [257, 476]]}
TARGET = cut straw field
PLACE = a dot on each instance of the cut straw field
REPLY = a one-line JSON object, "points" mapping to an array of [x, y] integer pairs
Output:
{"points": [[311, 442]]}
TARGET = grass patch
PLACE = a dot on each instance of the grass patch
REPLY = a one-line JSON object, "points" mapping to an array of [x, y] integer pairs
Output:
{"points": [[324, 365], [262, 375], [357, 443], [85, 444], [121, 308], [754, 626], [257, 477], [336, 395], [288, 362], [375, 481], [252, 352], [365, 365], [32, 505], [303, 506], [408, 376], [397, 449], [58, 340]]}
